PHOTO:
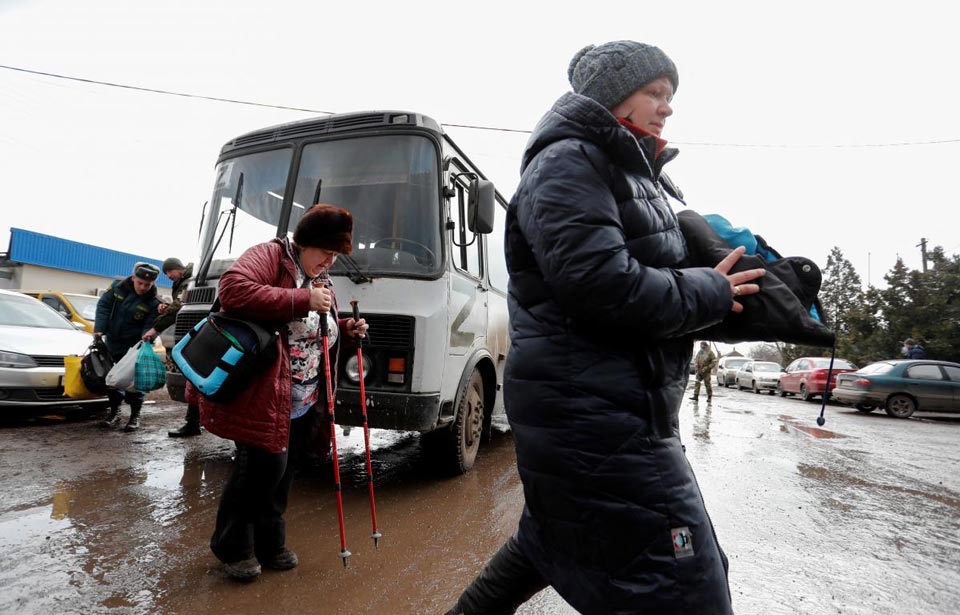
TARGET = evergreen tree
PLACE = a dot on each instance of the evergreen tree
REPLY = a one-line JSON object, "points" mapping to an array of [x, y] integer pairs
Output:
{"points": [[841, 292]]}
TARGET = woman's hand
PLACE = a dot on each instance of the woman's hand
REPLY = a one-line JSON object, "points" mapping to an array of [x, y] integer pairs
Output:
{"points": [[320, 299], [738, 281], [357, 328]]}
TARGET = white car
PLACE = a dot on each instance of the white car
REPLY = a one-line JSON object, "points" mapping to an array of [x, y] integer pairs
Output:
{"points": [[759, 376], [727, 369], [34, 338]]}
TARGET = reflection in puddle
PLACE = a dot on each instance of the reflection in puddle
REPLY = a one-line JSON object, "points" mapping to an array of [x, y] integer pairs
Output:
{"points": [[29, 526], [816, 432]]}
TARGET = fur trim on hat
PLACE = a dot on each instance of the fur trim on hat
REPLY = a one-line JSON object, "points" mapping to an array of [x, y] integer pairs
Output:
{"points": [[327, 227]]}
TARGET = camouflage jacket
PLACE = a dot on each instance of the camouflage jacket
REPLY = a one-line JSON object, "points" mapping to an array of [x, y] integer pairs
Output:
{"points": [[704, 361], [169, 315]]}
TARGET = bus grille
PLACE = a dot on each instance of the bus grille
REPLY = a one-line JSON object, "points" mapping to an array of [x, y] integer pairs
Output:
{"points": [[44, 361], [388, 330], [185, 322], [321, 126], [202, 294]]}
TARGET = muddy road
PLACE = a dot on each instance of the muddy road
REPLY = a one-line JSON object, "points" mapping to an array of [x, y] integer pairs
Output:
{"points": [[861, 516]]}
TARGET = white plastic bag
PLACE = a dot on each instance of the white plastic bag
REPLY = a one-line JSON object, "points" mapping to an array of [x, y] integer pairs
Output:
{"points": [[122, 375]]}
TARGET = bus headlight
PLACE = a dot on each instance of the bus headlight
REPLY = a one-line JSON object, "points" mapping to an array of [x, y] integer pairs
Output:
{"points": [[353, 373]]}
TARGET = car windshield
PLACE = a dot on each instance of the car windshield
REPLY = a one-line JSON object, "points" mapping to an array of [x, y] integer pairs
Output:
{"points": [[735, 363], [766, 367], [837, 364], [390, 185], [85, 305], [28, 312], [877, 368]]}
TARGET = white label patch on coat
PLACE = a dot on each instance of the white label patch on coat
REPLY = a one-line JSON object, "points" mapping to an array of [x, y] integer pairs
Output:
{"points": [[682, 542]]}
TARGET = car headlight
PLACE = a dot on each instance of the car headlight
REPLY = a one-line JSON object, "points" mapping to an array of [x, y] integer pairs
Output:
{"points": [[353, 373], [15, 359]]}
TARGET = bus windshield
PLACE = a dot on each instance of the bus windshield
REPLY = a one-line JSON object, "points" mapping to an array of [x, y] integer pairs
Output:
{"points": [[390, 185], [258, 181]]}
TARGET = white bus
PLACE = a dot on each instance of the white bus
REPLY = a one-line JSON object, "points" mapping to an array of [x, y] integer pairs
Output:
{"points": [[427, 267]]}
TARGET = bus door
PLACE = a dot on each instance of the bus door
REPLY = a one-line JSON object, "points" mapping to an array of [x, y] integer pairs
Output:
{"points": [[467, 304]]}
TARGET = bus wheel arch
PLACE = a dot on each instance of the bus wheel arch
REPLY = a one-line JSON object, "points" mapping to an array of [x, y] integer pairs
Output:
{"points": [[455, 446]]}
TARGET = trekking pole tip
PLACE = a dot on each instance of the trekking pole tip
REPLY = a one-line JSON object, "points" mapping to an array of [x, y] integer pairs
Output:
{"points": [[344, 555], [821, 421], [376, 539]]}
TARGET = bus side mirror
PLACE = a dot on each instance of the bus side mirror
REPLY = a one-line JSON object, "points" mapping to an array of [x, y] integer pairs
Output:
{"points": [[480, 206]]}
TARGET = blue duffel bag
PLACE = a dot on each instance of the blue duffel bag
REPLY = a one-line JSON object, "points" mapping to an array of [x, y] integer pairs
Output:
{"points": [[221, 353]]}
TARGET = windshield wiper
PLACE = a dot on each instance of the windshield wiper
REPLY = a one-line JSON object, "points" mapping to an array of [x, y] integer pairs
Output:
{"points": [[231, 222], [356, 275]]}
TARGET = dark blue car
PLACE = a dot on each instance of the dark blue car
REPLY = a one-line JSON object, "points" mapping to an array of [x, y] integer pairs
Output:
{"points": [[902, 387]]}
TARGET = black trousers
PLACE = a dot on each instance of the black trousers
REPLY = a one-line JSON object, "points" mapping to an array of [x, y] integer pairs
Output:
{"points": [[250, 517], [133, 398], [506, 582]]}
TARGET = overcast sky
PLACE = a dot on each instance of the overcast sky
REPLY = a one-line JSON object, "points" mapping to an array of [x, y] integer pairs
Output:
{"points": [[819, 91]]}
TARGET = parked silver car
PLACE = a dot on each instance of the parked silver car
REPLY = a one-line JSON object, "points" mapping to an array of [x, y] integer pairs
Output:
{"points": [[727, 369], [34, 338], [759, 376]]}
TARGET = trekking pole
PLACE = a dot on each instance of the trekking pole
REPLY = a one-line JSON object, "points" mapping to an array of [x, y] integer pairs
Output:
{"points": [[366, 431], [325, 332], [826, 388]]}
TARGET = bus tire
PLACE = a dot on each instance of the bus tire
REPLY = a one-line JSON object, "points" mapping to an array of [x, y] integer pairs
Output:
{"points": [[455, 447]]}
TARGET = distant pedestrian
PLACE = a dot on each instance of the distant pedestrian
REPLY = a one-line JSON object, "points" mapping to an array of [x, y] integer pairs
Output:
{"points": [[174, 269], [603, 313], [703, 364], [912, 350], [124, 315], [281, 417]]}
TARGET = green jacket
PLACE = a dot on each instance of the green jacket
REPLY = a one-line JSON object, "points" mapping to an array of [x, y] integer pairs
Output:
{"points": [[124, 316], [704, 361], [169, 316]]}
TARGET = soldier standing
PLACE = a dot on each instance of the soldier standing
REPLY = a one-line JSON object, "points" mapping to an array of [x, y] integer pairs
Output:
{"points": [[704, 363]]}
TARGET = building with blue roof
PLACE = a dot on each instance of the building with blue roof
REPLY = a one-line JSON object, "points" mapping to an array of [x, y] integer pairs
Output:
{"points": [[35, 261]]}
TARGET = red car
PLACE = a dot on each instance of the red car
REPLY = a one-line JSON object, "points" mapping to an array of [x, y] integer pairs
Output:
{"points": [[807, 376]]}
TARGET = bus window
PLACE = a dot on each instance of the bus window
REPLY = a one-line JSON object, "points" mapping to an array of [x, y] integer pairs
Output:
{"points": [[390, 185], [496, 259], [466, 245], [261, 199]]}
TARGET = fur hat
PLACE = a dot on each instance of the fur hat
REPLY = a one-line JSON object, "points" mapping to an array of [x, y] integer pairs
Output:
{"points": [[146, 271], [610, 73], [327, 227]]}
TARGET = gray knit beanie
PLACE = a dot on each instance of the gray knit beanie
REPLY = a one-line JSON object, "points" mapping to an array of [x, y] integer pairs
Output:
{"points": [[613, 71]]}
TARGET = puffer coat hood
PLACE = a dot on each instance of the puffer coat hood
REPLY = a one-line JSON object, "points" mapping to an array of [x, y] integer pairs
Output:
{"points": [[602, 318]]}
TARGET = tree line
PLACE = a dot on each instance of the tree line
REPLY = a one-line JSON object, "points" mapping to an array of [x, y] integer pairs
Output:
{"points": [[871, 323]]}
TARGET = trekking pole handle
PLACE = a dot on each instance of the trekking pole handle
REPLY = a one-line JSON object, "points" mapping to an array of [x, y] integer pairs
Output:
{"points": [[324, 327], [355, 305]]}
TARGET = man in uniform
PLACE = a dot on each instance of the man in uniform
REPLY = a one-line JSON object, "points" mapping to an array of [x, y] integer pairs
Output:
{"points": [[173, 268], [124, 314], [703, 363]]}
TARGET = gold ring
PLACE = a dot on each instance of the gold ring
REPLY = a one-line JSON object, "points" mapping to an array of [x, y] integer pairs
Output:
{"points": [[736, 291]]}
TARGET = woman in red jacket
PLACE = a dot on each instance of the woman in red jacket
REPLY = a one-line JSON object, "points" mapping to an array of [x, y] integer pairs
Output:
{"points": [[282, 415]]}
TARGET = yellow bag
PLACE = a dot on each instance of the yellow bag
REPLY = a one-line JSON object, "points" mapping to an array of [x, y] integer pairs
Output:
{"points": [[72, 382]]}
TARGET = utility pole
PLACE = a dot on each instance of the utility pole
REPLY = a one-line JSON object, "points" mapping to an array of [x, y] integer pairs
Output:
{"points": [[923, 252]]}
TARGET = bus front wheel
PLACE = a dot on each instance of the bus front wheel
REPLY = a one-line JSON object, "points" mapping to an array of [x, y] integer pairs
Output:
{"points": [[456, 446]]}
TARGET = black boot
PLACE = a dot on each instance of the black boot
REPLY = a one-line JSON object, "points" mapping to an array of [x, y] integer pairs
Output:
{"points": [[191, 427], [113, 419], [134, 423]]}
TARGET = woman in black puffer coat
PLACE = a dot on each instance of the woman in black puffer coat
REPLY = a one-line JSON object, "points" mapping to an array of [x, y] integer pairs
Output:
{"points": [[602, 315]]}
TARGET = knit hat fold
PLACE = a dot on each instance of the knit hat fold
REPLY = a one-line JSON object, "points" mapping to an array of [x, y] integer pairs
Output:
{"points": [[611, 72]]}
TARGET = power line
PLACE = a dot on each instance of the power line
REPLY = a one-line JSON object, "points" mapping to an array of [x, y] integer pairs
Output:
{"points": [[467, 126], [167, 92]]}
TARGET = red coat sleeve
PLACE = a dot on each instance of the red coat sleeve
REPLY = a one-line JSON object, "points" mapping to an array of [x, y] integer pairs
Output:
{"points": [[258, 286]]}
